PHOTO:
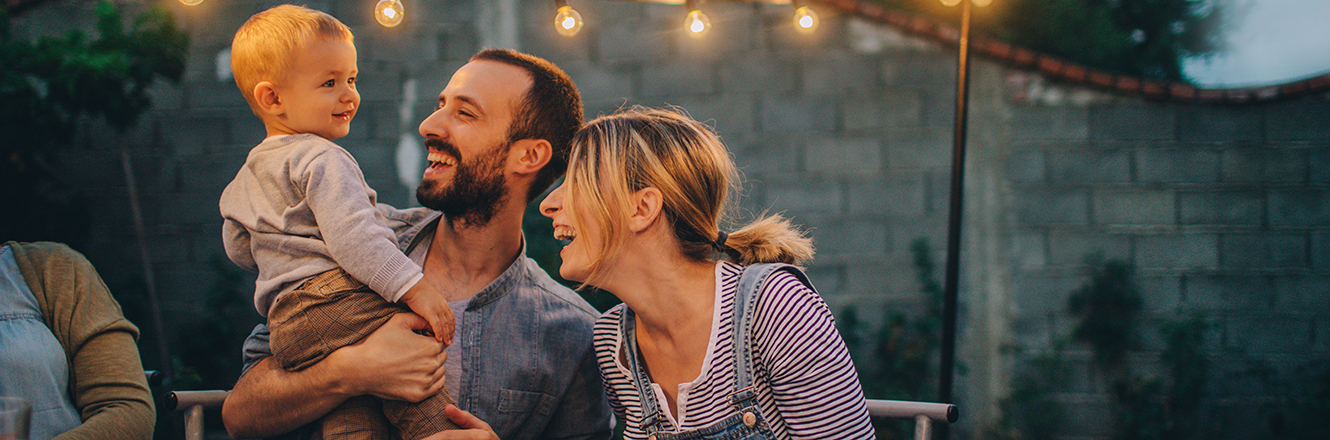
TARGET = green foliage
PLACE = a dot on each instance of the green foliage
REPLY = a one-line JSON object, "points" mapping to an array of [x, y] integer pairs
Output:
{"points": [[898, 359], [1107, 311], [1146, 38], [47, 86]]}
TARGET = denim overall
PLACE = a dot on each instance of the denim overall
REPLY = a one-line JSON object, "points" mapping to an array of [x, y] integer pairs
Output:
{"points": [[747, 421]]}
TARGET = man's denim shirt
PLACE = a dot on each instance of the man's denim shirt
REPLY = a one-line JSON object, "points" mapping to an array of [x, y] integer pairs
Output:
{"points": [[526, 342]]}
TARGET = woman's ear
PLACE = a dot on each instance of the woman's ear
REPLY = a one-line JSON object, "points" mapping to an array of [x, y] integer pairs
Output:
{"points": [[265, 94], [530, 155], [647, 204]]}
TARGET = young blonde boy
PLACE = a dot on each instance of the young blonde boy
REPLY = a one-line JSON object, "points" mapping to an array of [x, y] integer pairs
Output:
{"points": [[300, 214]]}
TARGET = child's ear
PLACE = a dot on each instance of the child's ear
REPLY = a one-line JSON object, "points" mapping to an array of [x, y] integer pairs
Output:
{"points": [[265, 94]]}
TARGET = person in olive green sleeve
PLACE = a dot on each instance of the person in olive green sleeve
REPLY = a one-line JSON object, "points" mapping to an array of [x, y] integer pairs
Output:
{"points": [[66, 347]]}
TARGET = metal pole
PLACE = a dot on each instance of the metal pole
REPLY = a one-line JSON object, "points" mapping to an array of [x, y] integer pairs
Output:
{"points": [[950, 288]]}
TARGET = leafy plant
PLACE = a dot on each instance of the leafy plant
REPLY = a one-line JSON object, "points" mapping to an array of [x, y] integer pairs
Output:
{"points": [[48, 86]]}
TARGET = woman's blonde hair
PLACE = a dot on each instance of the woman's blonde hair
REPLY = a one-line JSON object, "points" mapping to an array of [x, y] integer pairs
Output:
{"points": [[617, 155], [265, 45]]}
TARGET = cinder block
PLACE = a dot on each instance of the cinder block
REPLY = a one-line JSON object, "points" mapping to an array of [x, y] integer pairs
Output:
{"points": [[1320, 250], [1135, 208], [891, 196], [1227, 293], [804, 195], [676, 79], [1269, 250], [885, 282], [1038, 123], [1027, 166], [765, 156], [1219, 124], [1089, 166], [381, 83], [928, 149], [377, 44], [1307, 294], [1297, 121], [1051, 206], [827, 155], [1299, 208], [1132, 122], [210, 93], [835, 71], [797, 114], [1184, 165], [206, 133], [1029, 249], [1041, 292], [757, 73], [732, 116], [1073, 248], [1177, 251], [928, 70], [624, 41], [891, 109], [1161, 293], [1263, 165], [1255, 334], [1223, 208]]}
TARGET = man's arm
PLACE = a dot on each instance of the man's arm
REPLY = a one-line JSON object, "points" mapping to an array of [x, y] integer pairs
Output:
{"points": [[392, 363]]}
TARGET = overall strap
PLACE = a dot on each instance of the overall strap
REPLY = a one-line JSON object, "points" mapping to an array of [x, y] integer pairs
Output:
{"points": [[651, 415], [746, 300]]}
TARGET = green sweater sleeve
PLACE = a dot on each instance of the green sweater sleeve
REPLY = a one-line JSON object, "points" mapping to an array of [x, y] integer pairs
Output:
{"points": [[106, 384]]}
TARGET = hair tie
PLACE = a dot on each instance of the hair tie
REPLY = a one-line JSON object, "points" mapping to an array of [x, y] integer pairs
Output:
{"points": [[720, 239]]}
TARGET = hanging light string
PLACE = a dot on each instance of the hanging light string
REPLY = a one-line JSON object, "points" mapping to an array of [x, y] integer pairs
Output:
{"points": [[568, 21], [389, 13]]}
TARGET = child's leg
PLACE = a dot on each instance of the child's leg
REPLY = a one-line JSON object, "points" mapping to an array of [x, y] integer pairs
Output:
{"points": [[415, 421], [327, 312], [359, 418]]}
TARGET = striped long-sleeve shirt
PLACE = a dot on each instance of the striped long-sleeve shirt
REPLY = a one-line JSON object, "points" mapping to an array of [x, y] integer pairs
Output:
{"points": [[806, 383]]}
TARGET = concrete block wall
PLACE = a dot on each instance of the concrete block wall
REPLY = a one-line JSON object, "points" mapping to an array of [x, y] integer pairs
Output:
{"points": [[848, 132], [1218, 209]]}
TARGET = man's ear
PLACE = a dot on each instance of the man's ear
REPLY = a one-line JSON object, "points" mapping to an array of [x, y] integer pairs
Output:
{"points": [[646, 208], [265, 94], [530, 155]]}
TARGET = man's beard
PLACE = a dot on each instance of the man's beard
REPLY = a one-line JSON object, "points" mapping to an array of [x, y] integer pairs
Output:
{"points": [[477, 189]]}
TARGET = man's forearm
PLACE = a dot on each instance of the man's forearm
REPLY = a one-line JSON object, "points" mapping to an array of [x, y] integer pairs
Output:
{"points": [[269, 401]]}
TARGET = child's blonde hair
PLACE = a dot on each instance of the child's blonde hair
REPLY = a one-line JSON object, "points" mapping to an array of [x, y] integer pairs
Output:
{"points": [[614, 156], [264, 46]]}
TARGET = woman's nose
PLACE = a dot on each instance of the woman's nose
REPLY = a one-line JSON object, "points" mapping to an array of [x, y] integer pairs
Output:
{"points": [[552, 202]]}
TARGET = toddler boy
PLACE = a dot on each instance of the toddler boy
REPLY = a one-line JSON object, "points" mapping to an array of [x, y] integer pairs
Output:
{"points": [[300, 214]]}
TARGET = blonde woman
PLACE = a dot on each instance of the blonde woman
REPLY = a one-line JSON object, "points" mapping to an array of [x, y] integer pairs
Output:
{"points": [[711, 342]]}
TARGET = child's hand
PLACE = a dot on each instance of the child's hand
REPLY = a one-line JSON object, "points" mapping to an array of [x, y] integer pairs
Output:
{"points": [[430, 304]]}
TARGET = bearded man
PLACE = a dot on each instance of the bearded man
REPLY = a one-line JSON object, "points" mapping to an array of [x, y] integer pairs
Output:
{"points": [[522, 365]]}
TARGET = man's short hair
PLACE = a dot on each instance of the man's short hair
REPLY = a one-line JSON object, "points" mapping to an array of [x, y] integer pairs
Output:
{"points": [[265, 45], [551, 110]]}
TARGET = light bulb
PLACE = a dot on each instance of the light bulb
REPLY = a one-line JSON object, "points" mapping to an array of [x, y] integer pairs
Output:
{"points": [[389, 12], [697, 23], [191, 2], [982, 3], [951, 2], [567, 22], [805, 20]]}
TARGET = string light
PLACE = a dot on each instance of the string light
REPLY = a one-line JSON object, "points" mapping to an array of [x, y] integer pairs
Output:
{"points": [[950, 2], [696, 23], [982, 3], [567, 21], [389, 12], [805, 20], [191, 2]]}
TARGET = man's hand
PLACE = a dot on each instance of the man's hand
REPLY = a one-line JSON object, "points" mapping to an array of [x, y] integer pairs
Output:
{"points": [[394, 362], [472, 427], [430, 304]]}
